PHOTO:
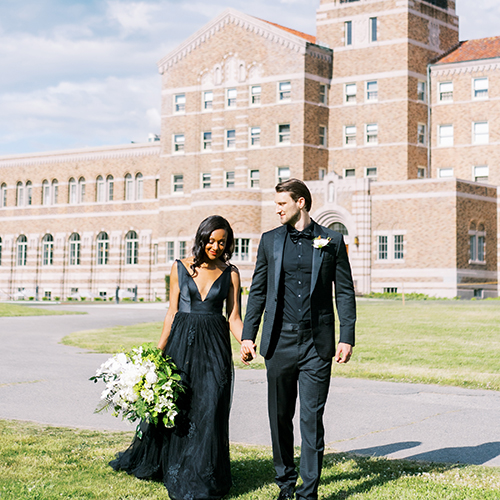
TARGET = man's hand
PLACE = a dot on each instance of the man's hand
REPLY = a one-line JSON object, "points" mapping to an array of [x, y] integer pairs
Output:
{"points": [[344, 353], [247, 351]]}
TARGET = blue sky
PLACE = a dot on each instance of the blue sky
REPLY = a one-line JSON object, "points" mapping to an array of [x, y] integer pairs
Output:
{"points": [[79, 73]]}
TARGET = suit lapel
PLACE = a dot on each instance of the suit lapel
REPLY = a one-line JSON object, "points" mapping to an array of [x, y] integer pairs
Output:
{"points": [[316, 260], [279, 245]]}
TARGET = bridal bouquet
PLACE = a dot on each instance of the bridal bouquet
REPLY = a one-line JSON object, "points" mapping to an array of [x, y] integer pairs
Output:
{"points": [[140, 384]]}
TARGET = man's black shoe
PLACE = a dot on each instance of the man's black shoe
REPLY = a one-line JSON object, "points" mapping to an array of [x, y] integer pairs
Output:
{"points": [[286, 493]]}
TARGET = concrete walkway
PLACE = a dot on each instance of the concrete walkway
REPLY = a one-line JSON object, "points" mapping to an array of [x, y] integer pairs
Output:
{"points": [[47, 382]]}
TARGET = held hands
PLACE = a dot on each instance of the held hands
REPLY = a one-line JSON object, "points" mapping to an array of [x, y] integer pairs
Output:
{"points": [[247, 351], [344, 353]]}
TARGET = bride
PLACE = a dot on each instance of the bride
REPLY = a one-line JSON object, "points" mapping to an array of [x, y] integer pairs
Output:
{"points": [[192, 459]]}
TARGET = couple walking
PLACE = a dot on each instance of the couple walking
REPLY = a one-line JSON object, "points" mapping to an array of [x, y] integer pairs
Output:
{"points": [[296, 266]]}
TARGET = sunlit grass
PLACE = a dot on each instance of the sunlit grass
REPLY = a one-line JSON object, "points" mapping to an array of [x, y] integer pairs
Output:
{"points": [[9, 310]]}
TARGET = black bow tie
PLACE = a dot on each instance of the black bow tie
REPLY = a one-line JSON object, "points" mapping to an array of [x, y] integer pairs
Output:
{"points": [[296, 235]]}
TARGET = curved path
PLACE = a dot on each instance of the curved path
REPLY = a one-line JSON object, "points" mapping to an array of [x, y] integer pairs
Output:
{"points": [[47, 382]]}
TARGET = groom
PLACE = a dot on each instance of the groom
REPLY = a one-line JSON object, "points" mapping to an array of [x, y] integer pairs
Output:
{"points": [[292, 285]]}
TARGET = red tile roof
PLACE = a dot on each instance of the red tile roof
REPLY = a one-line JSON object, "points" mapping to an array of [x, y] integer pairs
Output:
{"points": [[305, 36], [473, 50]]}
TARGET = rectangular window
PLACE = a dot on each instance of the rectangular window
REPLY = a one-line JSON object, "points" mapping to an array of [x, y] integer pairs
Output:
{"points": [[348, 32], [208, 100], [481, 257], [207, 141], [445, 172], [178, 183], [382, 248], [321, 173], [480, 88], [157, 188], [481, 132], [371, 172], [472, 247], [283, 174], [229, 179], [373, 29], [254, 178], [446, 91], [421, 91], [421, 134], [349, 172], [206, 180], [350, 93], [3, 195], [350, 135], [481, 173], [74, 253], [421, 173], [372, 90], [372, 133], [230, 139], [322, 136], [242, 249], [170, 251], [284, 134], [180, 103], [398, 247], [254, 136], [178, 143], [182, 249], [285, 91], [323, 94], [255, 94], [231, 95], [446, 135]]}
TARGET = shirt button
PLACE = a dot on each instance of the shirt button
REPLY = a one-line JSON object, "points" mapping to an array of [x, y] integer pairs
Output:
{"points": [[300, 256], [298, 295], [300, 282], [300, 242]]}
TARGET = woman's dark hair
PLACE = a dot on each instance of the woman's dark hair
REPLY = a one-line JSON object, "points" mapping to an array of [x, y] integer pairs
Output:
{"points": [[205, 229], [297, 189]]}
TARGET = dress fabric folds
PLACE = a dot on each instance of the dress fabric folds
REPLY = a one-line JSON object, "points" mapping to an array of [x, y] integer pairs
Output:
{"points": [[192, 459]]}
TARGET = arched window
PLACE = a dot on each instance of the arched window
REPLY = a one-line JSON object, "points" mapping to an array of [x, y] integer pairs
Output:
{"points": [[129, 188], [29, 193], [74, 249], [3, 195], [45, 192], [132, 244], [55, 192], [139, 190], [100, 193], [22, 250], [340, 228], [19, 194], [72, 192], [102, 248], [477, 243], [109, 187], [47, 250], [81, 189]]}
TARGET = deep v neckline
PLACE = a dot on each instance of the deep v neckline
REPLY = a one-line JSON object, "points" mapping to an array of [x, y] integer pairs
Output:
{"points": [[211, 286]]}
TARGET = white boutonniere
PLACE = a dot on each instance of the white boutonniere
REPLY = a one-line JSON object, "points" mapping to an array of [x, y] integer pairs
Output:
{"points": [[320, 242]]}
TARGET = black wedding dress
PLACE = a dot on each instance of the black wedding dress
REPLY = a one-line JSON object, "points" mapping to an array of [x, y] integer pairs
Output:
{"points": [[192, 459]]}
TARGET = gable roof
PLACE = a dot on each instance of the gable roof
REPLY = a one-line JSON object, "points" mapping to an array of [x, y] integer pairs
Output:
{"points": [[473, 50], [305, 36]]}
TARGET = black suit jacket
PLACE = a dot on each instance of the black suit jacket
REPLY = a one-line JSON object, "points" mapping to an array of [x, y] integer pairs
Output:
{"points": [[330, 265]]}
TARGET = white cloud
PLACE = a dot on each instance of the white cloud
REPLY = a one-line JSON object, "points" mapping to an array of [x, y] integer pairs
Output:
{"points": [[132, 16]]}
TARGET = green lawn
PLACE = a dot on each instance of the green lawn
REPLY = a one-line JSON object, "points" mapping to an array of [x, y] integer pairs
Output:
{"points": [[8, 310], [41, 462], [437, 342]]}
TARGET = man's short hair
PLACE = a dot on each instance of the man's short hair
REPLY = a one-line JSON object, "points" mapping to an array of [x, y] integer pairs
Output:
{"points": [[297, 189]]}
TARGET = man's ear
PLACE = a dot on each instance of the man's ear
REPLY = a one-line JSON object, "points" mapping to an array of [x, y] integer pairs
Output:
{"points": [[301, 202]]}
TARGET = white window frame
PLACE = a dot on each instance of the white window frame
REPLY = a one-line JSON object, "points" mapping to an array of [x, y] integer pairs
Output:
{"points": [[350, 93], [48, 250], [254, 179], [131, 249], [179, 104], [348, 33], [350, 132], [284, 138], [421, 134], [477, 247], [347, 173], [206, 180], [371, 95], [3, 195], [178, 144], [242, 249], [479, 172], [395, 246], [230, 142], [445, 172], [22, 250], [446, 140], [422, 91], [285, 91], [74, 249], [177, 184], [421, 172], [478, 136], [206, 144], [445, 92], [170, 251], [371, 134], [230, 179], [373, 30], [371, 172], [231, 97], [256, 95], [478, 93], [254, 137], [281, 178], [207, 108], [323, 136], [129, 187], [323, 94]]}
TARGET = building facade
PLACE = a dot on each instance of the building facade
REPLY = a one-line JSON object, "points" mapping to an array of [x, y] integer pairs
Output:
{"points": [[390, 121]]}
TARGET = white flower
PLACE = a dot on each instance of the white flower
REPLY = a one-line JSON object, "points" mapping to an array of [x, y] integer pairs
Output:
{"points": [[320, 242], [151, 377]]}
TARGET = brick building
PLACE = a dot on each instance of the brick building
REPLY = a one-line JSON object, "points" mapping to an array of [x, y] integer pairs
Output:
{"points": [[391, 122]]}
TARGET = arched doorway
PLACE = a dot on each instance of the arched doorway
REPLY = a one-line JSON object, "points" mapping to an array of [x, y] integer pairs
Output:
{"points": [[340, 228]]}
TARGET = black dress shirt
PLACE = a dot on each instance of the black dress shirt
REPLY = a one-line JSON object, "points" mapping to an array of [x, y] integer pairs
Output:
{"points": [[297, 270]]}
